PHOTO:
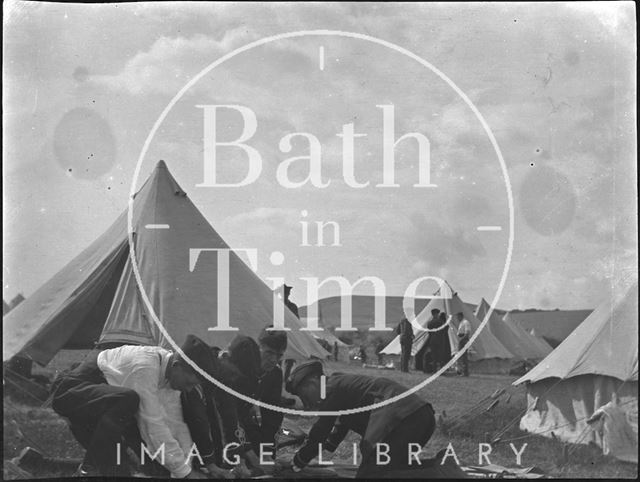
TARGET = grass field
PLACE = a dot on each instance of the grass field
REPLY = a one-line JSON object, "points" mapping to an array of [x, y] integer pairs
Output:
{"points": [[25, 423]]}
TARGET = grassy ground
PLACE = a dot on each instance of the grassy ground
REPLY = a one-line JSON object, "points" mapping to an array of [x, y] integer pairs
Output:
{"points": [[27, 424]]}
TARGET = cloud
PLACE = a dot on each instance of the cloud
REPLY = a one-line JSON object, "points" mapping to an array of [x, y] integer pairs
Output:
{"points": [[171, 62], [440, 245], [276, 217]]}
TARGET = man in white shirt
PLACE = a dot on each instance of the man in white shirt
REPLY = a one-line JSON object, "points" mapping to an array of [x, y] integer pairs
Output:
{"points": [[119, 397], [464, 333]]}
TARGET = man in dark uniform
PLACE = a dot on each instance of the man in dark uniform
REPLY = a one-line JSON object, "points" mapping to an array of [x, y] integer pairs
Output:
{"points": [[464, 333], [439, 341], [432, 346], [379, 347], [405, 330], [273, 345], [214, 416], [424, 356], [406, 421]]}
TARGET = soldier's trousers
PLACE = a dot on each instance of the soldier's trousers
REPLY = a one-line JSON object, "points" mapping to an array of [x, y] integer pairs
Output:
{"points": [[100, 415], [406, 355], [463, 361], [416, 428]]}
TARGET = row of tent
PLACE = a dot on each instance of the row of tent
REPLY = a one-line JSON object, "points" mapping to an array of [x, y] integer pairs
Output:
{"points": [[495, 348], [552, 326], [95, 299], [583, 391]]}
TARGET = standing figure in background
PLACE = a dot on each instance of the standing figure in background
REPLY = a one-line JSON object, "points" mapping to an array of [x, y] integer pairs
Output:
{"points": [[335, 351], [288, 363], [405, 331], [439, 340], [363, 354], [290, 304], [427, 354], [464, 333], [446, 344], [379, 347]]}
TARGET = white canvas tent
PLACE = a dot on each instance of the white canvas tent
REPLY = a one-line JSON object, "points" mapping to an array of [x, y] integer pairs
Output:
{"points": [[521, 344], [95, 297], [329, 337], [594, 366], [486, 355], [551, 325]]}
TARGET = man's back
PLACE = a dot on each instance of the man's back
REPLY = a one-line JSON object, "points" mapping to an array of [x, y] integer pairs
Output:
{"points": [[405, 331]]}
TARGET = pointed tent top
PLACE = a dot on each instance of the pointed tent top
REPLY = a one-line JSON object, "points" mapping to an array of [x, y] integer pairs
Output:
{"points": [[482, 309], [96, 295], [603, 344], [161, 171]]}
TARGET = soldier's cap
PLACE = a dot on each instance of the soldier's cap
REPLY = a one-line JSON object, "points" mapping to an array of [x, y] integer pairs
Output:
{"points": [[200, 353], [301, 372], [274, 339], [435, 310]]}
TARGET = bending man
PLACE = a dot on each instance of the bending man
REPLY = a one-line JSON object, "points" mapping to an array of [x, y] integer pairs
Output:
{"points": [[409, 420], [129, 395]]}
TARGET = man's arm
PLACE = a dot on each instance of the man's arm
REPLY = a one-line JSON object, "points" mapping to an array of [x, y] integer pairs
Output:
{"points": [[153, 428], [227, 408], [271, 393], [316, 438], [337, 435], [320, 431], [196, 414]]}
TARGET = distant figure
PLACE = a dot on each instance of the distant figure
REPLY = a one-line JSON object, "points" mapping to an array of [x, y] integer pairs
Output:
{"points": [[363, 354], [379, 347], [464, 333], [335, 351], [288, 363], [425, 357], [405, 331], [290, 304], [439, 341], [445, 344]]}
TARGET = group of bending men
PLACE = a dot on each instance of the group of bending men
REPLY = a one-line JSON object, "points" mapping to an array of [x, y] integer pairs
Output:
{"points": [[145, 407], [436, 351]]}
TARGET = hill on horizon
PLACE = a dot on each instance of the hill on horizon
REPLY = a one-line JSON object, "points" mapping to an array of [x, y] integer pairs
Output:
{"points": [[363, 310], [551, 325]]}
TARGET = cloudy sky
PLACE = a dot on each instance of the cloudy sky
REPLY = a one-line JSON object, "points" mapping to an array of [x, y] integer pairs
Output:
{"points": [[84, 85]]}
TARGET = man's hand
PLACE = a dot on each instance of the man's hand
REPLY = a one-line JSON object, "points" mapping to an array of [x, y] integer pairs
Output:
{"points": [[241, 471], [284, 463], [326, 455], [252, 458], [216, 472]]}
